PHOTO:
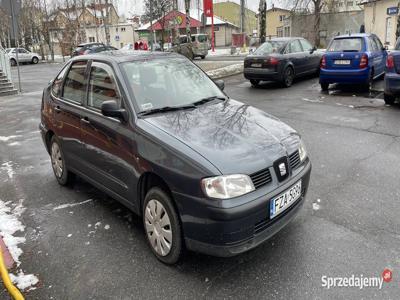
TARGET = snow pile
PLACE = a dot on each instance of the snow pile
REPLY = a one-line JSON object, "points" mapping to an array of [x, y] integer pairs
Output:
{"points": [[9, 226], [8, 167], [7, 138]]}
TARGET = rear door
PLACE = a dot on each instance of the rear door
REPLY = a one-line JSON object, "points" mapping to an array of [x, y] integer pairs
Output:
{"points": [[67, 108], [295, 54], [107, 141], [345, 53], [381, 56]]}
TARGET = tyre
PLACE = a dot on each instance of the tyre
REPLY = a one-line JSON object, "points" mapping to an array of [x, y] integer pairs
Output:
{"points": [[35, 60], [389, 99], [368, 85], [63, 176], [288, 77], [324, 86], [162, 226], [203, 57], [254, 82], [13, 62]]}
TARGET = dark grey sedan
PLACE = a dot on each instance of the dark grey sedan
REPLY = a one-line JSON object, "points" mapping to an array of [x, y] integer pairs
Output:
{"points": [[282, 59], [152, 130]]}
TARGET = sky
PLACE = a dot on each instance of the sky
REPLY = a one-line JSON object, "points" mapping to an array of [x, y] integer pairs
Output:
{"points": [[128, 7]]}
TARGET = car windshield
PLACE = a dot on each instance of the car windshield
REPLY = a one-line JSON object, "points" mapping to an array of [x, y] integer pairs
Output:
{"points": [[170, 82], [346, 45], [270, 47], [8, 50]]}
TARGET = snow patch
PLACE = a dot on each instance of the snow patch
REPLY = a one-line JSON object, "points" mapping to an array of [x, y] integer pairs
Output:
{"points": [[14, 144], [24, 281], [97, 225], [71, 204], [107, 227], [7, 138], [315, 206], [8, 167]]}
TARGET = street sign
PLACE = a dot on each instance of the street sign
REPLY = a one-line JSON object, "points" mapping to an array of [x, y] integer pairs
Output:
{"points": [[392, 10]]}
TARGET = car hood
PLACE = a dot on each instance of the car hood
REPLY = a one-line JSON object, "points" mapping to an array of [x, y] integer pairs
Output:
{"points": [[234, 137]]}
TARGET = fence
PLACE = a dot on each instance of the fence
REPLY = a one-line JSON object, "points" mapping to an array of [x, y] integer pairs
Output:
{"points": [[5, 63]]}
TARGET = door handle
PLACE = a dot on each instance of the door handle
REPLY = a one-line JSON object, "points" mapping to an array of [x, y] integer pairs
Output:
{"points": [[85, 120], [57, 109]]}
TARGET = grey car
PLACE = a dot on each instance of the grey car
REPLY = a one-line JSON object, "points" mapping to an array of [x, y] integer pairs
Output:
{"points": [[24, 56]]}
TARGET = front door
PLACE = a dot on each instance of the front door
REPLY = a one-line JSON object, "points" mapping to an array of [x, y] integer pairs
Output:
{"points": [[297, 56], [107, 141]]}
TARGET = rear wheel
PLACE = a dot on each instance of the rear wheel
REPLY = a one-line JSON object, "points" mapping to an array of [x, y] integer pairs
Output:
{"points": [[63, 176], [389, 99], [324, 86], [13, 62], [203, 57], [288, 77], [254, 82], [162, 225], [368, 85]]}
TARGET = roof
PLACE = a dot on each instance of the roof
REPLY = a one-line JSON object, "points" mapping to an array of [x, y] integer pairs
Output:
{"points": [[120, 56], [359, 35]]}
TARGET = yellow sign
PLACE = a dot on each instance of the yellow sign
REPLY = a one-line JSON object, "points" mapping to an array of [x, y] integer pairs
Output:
{"points": [[179, 20]]}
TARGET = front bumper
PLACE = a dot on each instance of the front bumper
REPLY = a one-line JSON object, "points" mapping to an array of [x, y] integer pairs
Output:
{"points": [[392, 84], [261, 74], [230, 231], [352, 76]]}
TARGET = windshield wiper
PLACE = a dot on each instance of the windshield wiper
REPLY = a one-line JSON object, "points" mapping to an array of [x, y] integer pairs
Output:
{"points": [[165, 109], [208, 99]]}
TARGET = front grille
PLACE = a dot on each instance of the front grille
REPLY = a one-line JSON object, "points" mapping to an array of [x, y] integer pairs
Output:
{"points": [[261, 178], [294, 160]]}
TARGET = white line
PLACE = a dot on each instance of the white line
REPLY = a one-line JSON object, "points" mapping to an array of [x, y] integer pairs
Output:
{"points": [[71, 204]]}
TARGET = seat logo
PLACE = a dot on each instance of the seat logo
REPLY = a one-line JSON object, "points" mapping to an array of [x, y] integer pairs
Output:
{"points": [[282, 169]]}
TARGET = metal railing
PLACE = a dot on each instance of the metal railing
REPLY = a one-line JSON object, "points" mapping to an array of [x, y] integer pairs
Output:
{"points": [[5, 66]]}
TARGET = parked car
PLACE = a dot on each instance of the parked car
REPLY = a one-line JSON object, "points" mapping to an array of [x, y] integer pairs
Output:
{"points": [[203, 171], [24, 56], [199, 44], [80, 50], [282, 59], [392, 75], [353, 59], [98, 49]]}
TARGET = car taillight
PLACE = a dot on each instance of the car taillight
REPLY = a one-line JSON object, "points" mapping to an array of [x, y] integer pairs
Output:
{"points": [[390, 62], [364, 61], [272, 61], [323, 62]]}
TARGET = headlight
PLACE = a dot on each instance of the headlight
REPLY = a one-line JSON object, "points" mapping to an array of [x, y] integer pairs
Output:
{"points": [[302, 151], [227, 186]]}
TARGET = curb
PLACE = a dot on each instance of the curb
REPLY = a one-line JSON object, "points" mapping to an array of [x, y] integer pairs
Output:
{"points": [[226, 71], [8, 260]]}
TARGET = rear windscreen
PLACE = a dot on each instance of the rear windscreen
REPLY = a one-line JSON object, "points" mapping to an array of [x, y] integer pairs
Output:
{"points": [[346, 45], [202, 38]]}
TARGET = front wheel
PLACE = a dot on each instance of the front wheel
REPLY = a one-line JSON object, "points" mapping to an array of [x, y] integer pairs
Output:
{"points": [[288, 77], [389, 99], [13, 62], [324, 86], [162, 225], [63, 176], [35, 60], [203, 57]]}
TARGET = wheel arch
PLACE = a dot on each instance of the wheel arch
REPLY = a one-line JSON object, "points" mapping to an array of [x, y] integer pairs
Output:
{"points": [[49, 135]]}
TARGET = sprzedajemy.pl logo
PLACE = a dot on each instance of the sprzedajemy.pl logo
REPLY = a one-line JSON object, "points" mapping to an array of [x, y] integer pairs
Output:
{"points": [[358, 281]]}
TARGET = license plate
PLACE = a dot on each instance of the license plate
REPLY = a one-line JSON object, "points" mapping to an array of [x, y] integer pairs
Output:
{"points": [[286, 199], [342, 62], [256, 65]]}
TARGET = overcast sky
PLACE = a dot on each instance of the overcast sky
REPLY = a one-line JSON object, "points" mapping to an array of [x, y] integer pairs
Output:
{"points": [[128, 7]]}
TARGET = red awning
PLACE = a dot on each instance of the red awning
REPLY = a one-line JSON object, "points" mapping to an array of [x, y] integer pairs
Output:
{"points": [[174, 19]]}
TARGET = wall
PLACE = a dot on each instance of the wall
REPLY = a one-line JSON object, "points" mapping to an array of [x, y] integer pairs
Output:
{"points": [[376, 21], [230, 12], [274, 21], [223, 37], [332, 24]]}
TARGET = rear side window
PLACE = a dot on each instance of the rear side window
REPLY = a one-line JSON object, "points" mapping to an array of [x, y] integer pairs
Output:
{"points": [[102, 85], [379, 44], [75, 84], [346, 45], [57, 83]]}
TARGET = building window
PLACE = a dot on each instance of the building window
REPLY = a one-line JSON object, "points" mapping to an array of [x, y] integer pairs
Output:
{"points": [[281, 18], [116, 29], [122, 29], [91, 39], [350, 3], [340, 4]]}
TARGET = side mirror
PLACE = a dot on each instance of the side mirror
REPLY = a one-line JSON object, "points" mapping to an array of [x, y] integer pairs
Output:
{"points": [[313, 50], [385, 48], [111, 109], [221, 84]]}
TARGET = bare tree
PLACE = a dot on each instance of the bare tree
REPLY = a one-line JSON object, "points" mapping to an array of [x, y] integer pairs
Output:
{"points": [[262, 20], [157, 10]]}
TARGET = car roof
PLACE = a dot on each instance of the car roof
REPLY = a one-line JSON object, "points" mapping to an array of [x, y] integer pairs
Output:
{"points": [[89, 44], [120, 56], [355, 35], [285, 39]]}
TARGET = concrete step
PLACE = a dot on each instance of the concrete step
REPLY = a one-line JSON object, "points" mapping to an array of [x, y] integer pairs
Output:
{"points": [[3, 80], [8, 92], [3, 77], [4, 85]]}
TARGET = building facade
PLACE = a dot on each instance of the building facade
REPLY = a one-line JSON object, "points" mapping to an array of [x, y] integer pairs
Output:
{"points": [[381, 18]]}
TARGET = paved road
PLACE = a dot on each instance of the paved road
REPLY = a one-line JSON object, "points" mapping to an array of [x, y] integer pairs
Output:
{"points": [[350, 222]]}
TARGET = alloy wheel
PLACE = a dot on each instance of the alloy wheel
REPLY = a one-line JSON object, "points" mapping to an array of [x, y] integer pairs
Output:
{"points": [[289, 77], [158, 227], [56, 160]]}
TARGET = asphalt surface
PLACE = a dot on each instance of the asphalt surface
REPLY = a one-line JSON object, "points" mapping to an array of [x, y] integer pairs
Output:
{"points": [[350, 222]]}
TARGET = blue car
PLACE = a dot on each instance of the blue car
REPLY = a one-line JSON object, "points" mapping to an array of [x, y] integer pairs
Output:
{"points": [[392, 75], [353, 59]]}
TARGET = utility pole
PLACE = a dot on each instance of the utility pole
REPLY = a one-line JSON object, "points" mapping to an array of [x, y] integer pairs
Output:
{"points": [[16, 37], [262, 19], [151, 38], [187, 7], [242, 13]]}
